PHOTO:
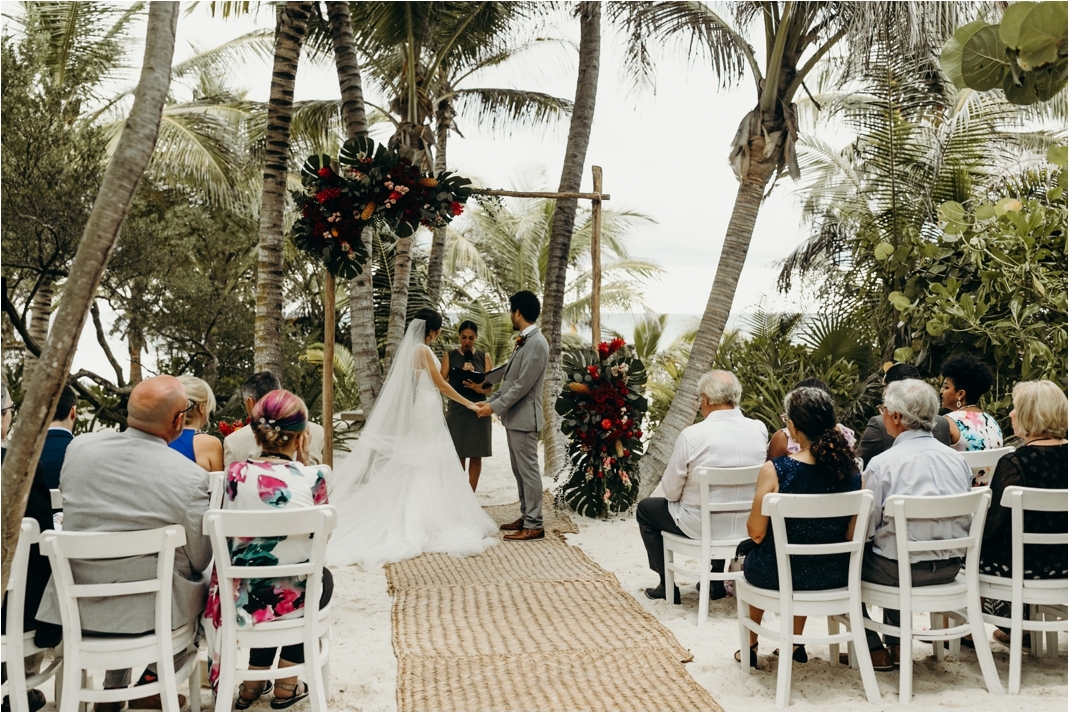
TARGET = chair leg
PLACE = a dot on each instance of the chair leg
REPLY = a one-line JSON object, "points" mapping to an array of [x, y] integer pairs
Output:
{"points": [[1016, 645], [905, 668], [783, 677], [224, 696], [703, 597], [938, 621], [168, 683], [313, 666], [669, 575], [744, 634], [16, 681], [833, 649], [194, 681], [983, 646], [863, 663]]}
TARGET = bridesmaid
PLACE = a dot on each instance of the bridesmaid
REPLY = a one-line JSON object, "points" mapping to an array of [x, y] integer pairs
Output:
{"points": [[471, 434]]}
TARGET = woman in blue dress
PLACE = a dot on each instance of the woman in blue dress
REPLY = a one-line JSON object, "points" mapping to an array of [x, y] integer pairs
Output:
{"points": [[824, 465]]}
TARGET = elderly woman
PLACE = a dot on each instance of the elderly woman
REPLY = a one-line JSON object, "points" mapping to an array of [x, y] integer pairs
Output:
{"points": [[271, 482], [965, 380], [824, 464], [1040, 416], [202, 448]]}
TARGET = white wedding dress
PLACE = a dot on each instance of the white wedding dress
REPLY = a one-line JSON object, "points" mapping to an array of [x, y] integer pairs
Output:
{"points": [[402, 491]]}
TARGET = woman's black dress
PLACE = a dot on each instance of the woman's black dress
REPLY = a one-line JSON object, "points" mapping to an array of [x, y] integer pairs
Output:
{"points": [[471, 434]]}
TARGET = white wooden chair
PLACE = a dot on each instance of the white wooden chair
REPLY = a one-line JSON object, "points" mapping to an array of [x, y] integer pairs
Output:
{"points": [[959, 599], [86, 652], [312, 630], [17, 643], [1046, 597], [788, 603], [983, 463], [216, 489], [737, 486], [57, 498]]}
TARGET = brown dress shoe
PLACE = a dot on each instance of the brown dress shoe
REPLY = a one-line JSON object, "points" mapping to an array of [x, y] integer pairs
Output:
{"points": [[154, 702], [517, 525], [881, 659], [526, 535]]}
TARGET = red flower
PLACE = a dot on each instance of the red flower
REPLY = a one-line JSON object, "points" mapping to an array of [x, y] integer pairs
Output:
{"points": [[606, 424], [603, 350], [619, 401], [456, 207], [324, 172], [628, 434], [328, 194], [626, 453], [638, 434], [592, 370], [616, 343]]}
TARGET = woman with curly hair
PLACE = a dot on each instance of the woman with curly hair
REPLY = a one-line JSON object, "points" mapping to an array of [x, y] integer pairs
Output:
{"points": [[823, 465], [965, 380]]}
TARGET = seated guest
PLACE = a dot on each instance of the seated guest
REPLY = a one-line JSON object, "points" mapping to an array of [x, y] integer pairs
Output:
{"points": [[724, 439], [917, 464], [60, 433], [783, 444], [876, 439], [241, 444], [202, 448], [279, 424], [824, 464], [1040, 416], [965, 380], [39, 507], [118, 482]]}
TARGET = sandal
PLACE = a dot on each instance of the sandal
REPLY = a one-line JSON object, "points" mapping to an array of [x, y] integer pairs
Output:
{"points": [[753, 656], [245, 690], [298, 692], [799, 655]]}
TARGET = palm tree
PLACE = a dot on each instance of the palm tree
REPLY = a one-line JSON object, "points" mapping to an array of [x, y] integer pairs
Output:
{"points": [[797, 37], [113, 200], [292, 23], [586, 92]]}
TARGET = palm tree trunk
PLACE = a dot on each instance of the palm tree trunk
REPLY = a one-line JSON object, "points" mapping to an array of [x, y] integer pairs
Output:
{"points": [[292, 23], [443, 121], [582, 121], [136, 144], [40, 314], [402, 271], [367, 370], [732, 257], [352, 87]]}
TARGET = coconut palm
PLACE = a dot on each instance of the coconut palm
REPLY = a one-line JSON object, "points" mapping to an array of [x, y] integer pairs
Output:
{"points": [[116, 193], [798, 37]]}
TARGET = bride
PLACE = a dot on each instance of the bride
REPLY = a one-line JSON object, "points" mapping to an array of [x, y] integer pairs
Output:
{"points": [[402, 491]]}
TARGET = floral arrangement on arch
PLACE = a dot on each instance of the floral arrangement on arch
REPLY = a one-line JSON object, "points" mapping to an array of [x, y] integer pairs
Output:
{"points": [[602, 404], [369, 184]]}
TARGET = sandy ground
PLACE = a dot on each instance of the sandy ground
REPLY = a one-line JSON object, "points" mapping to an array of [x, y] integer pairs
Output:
{"points": [[364, 669]]}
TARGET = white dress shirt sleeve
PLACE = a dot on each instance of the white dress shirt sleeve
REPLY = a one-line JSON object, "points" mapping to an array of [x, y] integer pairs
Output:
{"points": [[871, 480], [675, 473]]}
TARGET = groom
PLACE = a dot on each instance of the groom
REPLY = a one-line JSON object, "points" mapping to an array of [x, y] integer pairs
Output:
{"points": [[518, 403]]}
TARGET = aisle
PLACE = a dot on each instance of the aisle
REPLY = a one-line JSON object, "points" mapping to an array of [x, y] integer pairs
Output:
{"points": [[530, 626]]}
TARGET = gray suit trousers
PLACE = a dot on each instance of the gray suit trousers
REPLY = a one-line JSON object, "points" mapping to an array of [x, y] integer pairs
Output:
{"points": [[523, 452]]}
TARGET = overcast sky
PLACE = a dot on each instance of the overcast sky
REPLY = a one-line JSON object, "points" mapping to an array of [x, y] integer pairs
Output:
{"points": [[664, 154]]}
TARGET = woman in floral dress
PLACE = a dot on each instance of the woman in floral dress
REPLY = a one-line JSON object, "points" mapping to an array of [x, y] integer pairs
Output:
{"points": [[272, 482], [965, 380]]}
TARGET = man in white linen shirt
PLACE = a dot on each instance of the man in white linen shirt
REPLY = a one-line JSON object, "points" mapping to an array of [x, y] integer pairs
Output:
{"points": [[241, 444], [724, 439], [917, 465]]}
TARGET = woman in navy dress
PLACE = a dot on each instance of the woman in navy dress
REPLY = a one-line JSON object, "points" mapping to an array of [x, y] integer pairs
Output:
{"points": [[824, 465]]}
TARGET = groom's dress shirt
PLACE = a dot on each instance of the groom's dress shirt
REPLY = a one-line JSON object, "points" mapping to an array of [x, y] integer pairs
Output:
{"points": [[725, 439], [242, 445]]}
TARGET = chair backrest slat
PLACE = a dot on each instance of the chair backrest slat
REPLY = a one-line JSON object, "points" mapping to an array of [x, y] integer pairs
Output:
{"points": [[986, 460], [57, 498], [1021, 500], [740, 482]]}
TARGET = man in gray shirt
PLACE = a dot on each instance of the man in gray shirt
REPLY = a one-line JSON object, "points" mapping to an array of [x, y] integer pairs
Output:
{"points": [[118, 482], [917, 464]]}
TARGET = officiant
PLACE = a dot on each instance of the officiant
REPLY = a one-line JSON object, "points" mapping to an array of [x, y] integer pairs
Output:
{"points": [[463, 368]]}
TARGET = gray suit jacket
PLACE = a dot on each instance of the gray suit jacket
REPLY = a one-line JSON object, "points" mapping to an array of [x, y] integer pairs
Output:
{"points": [[518, 403], [241, 445], [117, 482]]}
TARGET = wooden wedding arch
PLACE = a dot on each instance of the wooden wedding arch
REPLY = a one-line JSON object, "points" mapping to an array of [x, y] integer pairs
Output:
{"points": [[329, 287]]}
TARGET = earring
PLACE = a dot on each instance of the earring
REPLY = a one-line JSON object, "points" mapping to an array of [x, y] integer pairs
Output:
{"points": [[959, 403]]}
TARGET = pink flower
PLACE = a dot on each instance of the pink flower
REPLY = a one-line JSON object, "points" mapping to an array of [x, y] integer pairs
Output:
{"points": [[285, 604]]}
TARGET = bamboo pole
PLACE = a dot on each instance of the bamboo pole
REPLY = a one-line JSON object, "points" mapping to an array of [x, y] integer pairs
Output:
{"points": [[540, 194], [595, 258], [329, 291]]}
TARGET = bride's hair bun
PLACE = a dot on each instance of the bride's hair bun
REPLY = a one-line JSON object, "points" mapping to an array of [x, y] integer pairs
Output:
{"points": [[277, 418], [433, 320]]}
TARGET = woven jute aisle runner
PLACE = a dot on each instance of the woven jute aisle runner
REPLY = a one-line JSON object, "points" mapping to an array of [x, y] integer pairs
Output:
{"points": [[531, 626]]}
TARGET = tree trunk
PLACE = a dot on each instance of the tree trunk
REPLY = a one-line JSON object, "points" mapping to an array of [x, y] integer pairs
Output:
{"points": [[443, 122], [362, 331], [136, 343], [582, 122], [402, 271], [40, 314], [116, 192], [352, 87], [732, 257], [292, 23]]}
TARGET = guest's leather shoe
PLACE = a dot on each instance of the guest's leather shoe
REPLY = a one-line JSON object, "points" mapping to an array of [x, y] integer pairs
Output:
{"points": [[154, 703], [526, 534], [717, 591], [518, 525], [882, 659], [659, 593]]}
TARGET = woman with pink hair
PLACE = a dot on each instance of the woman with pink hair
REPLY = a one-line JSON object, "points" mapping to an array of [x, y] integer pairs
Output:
{"points": [[271, 482]]}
